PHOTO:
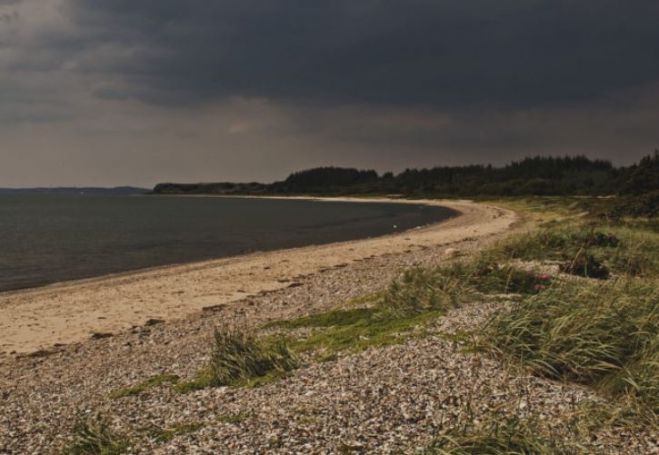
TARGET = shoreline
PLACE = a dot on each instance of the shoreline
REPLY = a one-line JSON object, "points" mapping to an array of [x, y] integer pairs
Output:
{"points": [[69, 312], [201, 262]]}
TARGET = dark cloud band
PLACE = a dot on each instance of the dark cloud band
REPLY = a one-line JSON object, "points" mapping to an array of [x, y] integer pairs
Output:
{"points": [[443, 53]]}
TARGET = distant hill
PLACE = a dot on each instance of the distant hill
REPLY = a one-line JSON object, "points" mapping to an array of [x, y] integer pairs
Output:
{"points": [[544, 176], [120, 190]]}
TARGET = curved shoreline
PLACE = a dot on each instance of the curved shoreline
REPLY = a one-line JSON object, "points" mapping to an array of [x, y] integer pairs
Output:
{"points": [[70, 312], [204, 261]]}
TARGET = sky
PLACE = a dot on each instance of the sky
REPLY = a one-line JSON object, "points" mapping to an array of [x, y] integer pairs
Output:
{"points": [[135, 92]]}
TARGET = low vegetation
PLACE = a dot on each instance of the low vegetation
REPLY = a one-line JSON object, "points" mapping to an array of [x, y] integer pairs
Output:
{"points": [[238, 358], [93, 435], [503, 436], [591, 333], [169, 433], [142, 387]]}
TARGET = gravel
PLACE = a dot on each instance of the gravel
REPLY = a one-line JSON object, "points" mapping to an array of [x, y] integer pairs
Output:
{"points": [[386, 400]]}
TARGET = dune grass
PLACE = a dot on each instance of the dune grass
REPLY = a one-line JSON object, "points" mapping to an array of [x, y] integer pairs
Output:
{"points": [[93, 436], [583, 332], [169, 433], [621, 249], [406, 308], [601, 333], [142, 387], [238, 358], [503, 436]]}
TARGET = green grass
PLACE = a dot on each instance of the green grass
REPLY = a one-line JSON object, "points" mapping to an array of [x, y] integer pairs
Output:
{"points": [[403, 311], [94, 436], [240, 359], [142, 387], [357, 334], [327, 319], [503, 436], [592, 333], [421, 290], [169, 433], [410, 303], [622, 249]]}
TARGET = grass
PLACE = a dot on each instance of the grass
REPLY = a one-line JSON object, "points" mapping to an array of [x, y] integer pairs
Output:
{"points": [[142, 387], [169, 433], [238, 358], [357, 334], [327, 319], [624, 250], [509, 436], [94, 436], [405, 309], [421, 290], [597, 334]]}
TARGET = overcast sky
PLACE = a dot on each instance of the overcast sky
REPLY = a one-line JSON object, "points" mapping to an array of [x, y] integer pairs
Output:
{"points": [[111, 92]]}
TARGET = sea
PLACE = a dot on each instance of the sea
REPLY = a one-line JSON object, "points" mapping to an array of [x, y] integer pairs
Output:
{"points": [[49, 238]]}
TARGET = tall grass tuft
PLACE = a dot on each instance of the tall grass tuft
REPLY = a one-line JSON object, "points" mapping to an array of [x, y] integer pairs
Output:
{"points": [[93, 436], [510, 436], [591, 333], [237, 356], [421, 290]]}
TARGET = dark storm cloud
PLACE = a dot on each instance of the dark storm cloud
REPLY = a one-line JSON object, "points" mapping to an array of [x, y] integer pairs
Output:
{"points": [[105, 92], [437, 52]]}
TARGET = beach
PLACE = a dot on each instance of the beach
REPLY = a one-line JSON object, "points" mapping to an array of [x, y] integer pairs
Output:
{"points": [[126, 368], [74, 343], [71, 312]]}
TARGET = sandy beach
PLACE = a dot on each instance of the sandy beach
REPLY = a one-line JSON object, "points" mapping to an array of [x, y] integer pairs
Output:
{"points": [[43, 318]]}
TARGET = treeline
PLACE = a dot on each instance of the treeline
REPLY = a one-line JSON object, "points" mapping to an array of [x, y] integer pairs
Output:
{"points": [[541, 176]]}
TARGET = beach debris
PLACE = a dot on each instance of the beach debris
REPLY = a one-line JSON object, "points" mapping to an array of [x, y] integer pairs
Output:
{"points": [[153, 321], [214, 308]]}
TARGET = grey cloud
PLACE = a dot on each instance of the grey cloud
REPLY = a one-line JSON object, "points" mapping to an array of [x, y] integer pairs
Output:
{"points": [[511, 53]]}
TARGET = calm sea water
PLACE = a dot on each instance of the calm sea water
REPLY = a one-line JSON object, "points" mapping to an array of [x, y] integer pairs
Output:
{"points": [[51, 238]]}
